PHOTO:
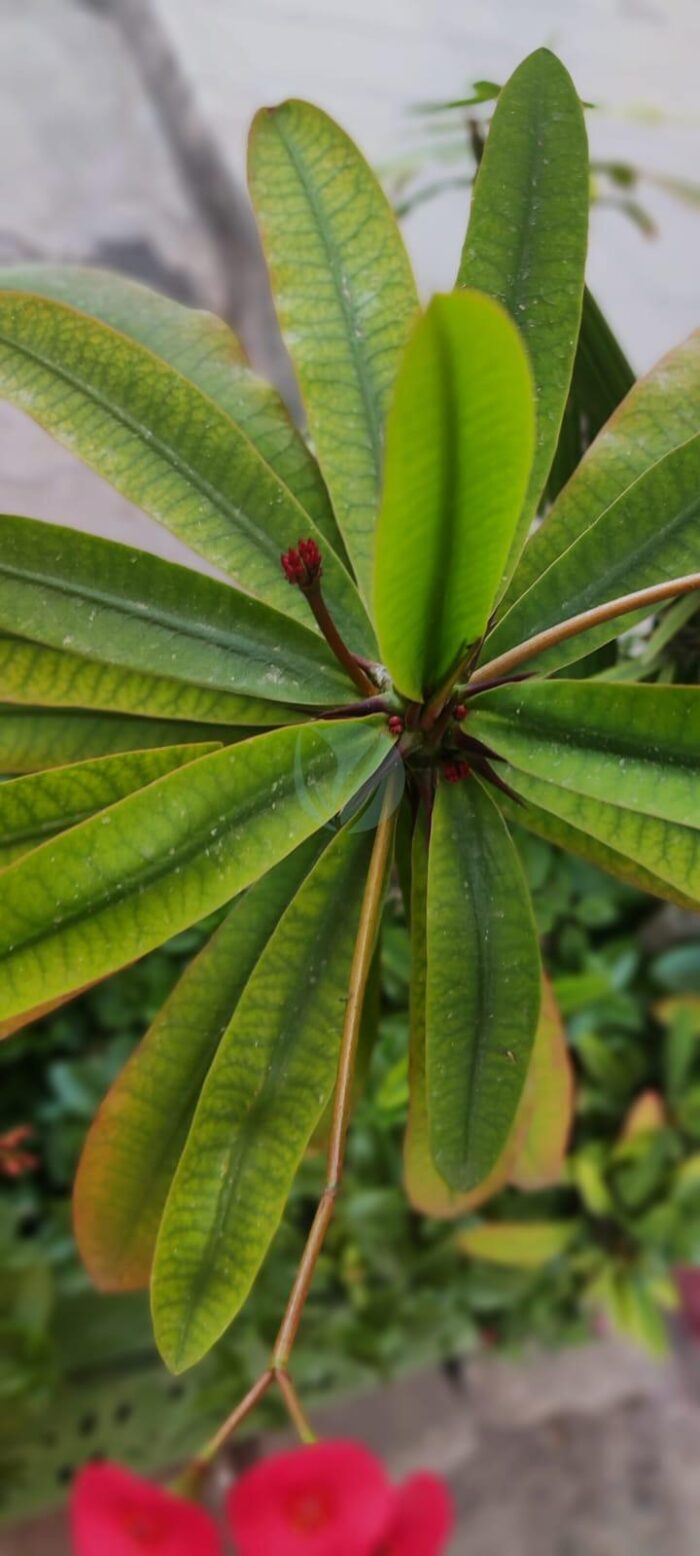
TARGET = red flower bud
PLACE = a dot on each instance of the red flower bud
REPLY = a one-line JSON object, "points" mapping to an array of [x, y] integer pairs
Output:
{"points": [[396, 725], [461, 712], [454, 772], [302, 564]]}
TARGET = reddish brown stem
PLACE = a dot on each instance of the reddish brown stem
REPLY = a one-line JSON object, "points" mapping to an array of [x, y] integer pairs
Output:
{"points": [[336, 643], [641, 599]]}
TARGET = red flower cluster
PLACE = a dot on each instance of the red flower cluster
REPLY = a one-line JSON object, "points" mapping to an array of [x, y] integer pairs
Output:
{"points": [[333, 1499], [454, 772], [302, 563]]}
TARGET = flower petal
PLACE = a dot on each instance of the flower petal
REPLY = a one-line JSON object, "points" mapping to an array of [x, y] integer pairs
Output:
{"points": [[423, 1518], [331, 1499], [114, 1511]]}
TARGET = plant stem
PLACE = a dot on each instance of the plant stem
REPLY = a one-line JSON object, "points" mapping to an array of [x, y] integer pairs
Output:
{"points": [[504, 664], [359, 973], [252, 1398], [335, 642], [295, 1409]]}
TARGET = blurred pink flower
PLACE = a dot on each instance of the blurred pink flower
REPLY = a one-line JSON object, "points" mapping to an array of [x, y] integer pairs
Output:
{"points": [[688, 1284], [422, 1519], [116, 1513], [335, 1499], [332, 1499]]}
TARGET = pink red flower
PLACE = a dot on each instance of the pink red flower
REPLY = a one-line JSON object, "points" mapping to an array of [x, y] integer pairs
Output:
{"points": [[688, 1284], [422, 1519], [115, 1513], [334, 1499]]}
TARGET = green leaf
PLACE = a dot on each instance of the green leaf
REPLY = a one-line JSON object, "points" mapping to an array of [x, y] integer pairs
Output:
{"points": [[345, 297], [49, 677], [483, 984], [459, 447], [35, 808], [602, 377], [264, 1095], [126, 607], [549, 1088], [526, 1245], [554, 829], [206, 352], [649, 534], [426, 1188], [35, 738], [669, 852], [527, 235], [636, 746], [166, 446], [139, 1134], [658, 415], [119, 884]]}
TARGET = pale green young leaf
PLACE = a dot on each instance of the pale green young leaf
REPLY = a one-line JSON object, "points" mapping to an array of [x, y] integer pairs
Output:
{"points": [[459, 447], [524, 1245]]}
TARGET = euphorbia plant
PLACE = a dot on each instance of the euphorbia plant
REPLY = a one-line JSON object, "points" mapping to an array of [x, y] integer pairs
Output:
{"points": [[380, 663]]}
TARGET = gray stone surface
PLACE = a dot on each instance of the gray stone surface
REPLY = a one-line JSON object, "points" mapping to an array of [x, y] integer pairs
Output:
{"points": [[366, 61], [85, 169]]}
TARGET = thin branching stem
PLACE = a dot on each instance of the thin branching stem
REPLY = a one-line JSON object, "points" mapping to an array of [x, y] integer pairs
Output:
{"points": [[362, 959], [359, 973], [641, 599], [232, 1422], [295, 1409]]}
